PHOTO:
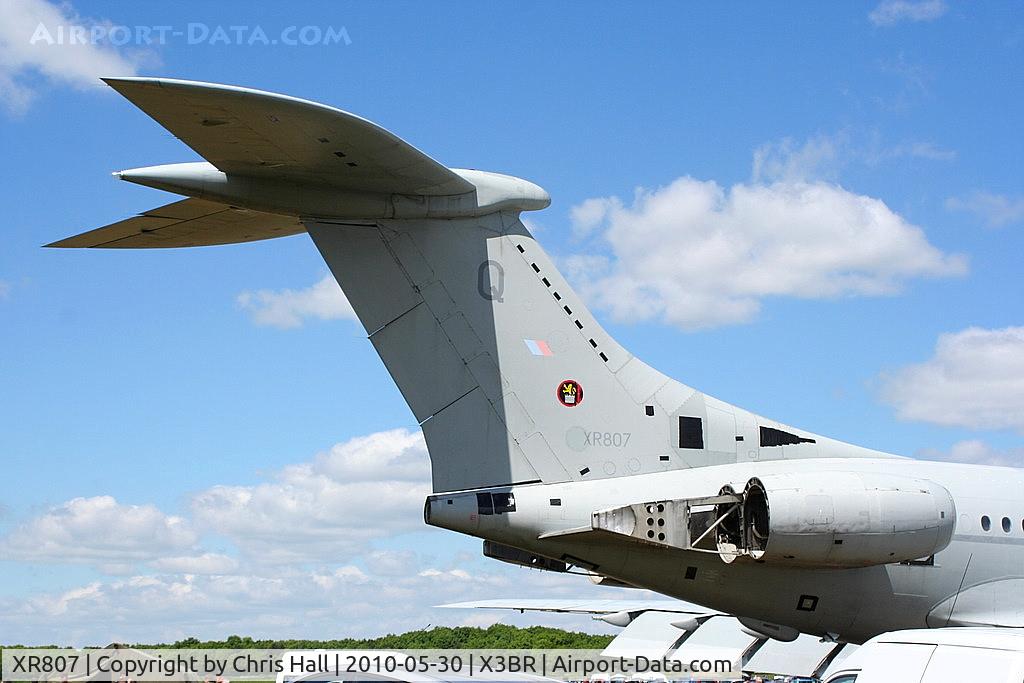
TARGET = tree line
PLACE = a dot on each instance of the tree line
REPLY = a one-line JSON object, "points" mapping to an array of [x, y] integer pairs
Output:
{"points": [[498, 636]]}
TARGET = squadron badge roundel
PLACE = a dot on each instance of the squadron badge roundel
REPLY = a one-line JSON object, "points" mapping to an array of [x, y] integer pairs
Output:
{"points": [[570, 393]]}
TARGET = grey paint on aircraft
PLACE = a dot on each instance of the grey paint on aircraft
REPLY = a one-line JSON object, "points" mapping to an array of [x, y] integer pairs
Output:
{"points": [[480, 332]]}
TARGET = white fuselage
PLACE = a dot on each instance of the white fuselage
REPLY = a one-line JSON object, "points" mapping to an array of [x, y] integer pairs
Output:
{"points": [[978, 579]]}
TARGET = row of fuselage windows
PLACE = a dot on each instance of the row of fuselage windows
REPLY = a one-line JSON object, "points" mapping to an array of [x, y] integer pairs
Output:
{"points": [[1006, 524], [495, 503]]}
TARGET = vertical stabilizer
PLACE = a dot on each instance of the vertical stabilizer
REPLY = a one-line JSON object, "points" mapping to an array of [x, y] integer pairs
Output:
{"points": [[510, 376]]}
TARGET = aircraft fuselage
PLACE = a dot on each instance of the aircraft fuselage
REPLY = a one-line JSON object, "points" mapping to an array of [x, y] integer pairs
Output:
{"points": [[978, 579]]}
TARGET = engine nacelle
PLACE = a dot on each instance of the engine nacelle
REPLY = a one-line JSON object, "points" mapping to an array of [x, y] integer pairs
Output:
{"points": [[840, 519]]}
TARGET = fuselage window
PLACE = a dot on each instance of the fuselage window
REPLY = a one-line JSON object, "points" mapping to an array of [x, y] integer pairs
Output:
{"points": [[484, 504], [986, 523], [1006, 524], [503, 502], [495, 503]]}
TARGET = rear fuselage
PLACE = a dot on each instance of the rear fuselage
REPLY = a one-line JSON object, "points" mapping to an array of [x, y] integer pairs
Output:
{"points": [[978, 579]]}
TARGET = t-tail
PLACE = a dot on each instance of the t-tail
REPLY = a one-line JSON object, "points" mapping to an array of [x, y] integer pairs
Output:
{"points": [[507, 372]]}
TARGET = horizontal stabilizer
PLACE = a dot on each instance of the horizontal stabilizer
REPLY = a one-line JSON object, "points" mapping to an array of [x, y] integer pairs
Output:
{"points": [[254, 133], [188, 223]]}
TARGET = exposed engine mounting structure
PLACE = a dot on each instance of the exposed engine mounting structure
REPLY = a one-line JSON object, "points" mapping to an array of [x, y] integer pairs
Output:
{"points": [[827, 519]]}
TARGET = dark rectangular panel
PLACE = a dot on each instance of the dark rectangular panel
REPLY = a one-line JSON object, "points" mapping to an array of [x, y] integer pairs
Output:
{"points": [[691, 432], [776, 437], [503, 502], [484, 504]]}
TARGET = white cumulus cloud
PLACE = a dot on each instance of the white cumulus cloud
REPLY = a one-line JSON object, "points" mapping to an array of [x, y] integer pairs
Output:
{"points": [[695, 254], [365, 488], [996, 210], [289, 602], [590, 213], [976, 452], [974, 379], [892, 12], [35, 41], [200, 563], [287, 308], [99, 529], [323, 516]]}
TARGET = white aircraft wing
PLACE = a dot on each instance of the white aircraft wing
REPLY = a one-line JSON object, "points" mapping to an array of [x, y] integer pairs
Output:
{"points": [[585, 606], [719, 639], [188, 223], [804, 656], [685, 632], [255, 133], [650, 634]]}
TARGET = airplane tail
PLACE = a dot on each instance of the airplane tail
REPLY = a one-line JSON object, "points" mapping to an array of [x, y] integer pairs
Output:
{"points": [[508, 373]]}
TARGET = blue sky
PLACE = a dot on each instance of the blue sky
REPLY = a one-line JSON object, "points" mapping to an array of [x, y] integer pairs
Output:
{"points": [[158, 406]]}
